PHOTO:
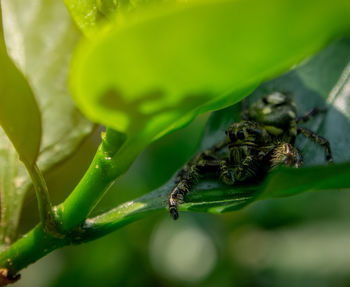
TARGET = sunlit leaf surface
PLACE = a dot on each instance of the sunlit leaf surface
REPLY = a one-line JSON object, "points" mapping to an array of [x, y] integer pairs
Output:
{"points": [[155, 71]]}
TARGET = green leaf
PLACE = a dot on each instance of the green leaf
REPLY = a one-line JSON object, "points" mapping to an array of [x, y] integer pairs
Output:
{"points": [[44, 58], [43, 55], [154, 72], [20, 119], [323, 80], [16, 99]]}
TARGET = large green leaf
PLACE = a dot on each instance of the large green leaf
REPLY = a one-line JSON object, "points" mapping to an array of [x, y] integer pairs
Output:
{"points": [[40, 37], [20, 119], [19, 113], [44, 56], [322, 81], [154, 72]]}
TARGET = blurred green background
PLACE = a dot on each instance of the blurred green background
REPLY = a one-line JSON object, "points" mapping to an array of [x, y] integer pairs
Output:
{"points": [[296, 241]]}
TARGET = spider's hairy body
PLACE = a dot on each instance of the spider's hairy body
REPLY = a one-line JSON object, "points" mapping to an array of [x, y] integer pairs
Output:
{"points": [[262, 140]]}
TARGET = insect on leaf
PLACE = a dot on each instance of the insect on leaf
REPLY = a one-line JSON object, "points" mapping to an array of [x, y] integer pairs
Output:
{"points": [[310, 88]]}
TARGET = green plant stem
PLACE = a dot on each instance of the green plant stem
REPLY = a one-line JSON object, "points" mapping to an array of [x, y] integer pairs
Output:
{"points": [[210, 198], [123, 214], [105, 168], [31, 247], [88, 192], [46, 212], [37, 243]]}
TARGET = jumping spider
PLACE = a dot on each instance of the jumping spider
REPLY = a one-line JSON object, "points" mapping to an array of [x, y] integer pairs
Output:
{"points": [[262, 140]]}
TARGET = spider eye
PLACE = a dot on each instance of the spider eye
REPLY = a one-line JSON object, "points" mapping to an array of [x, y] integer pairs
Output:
{"points": [[256, 132], [232, 136], [240, 135]]}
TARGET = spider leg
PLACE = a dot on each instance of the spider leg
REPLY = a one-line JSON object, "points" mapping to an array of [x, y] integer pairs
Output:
{"points": [[187, 177], [319, 140], [240, 169], [229, 174], [246, 169], [205, 162], [313, 112], [226, 172]]}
